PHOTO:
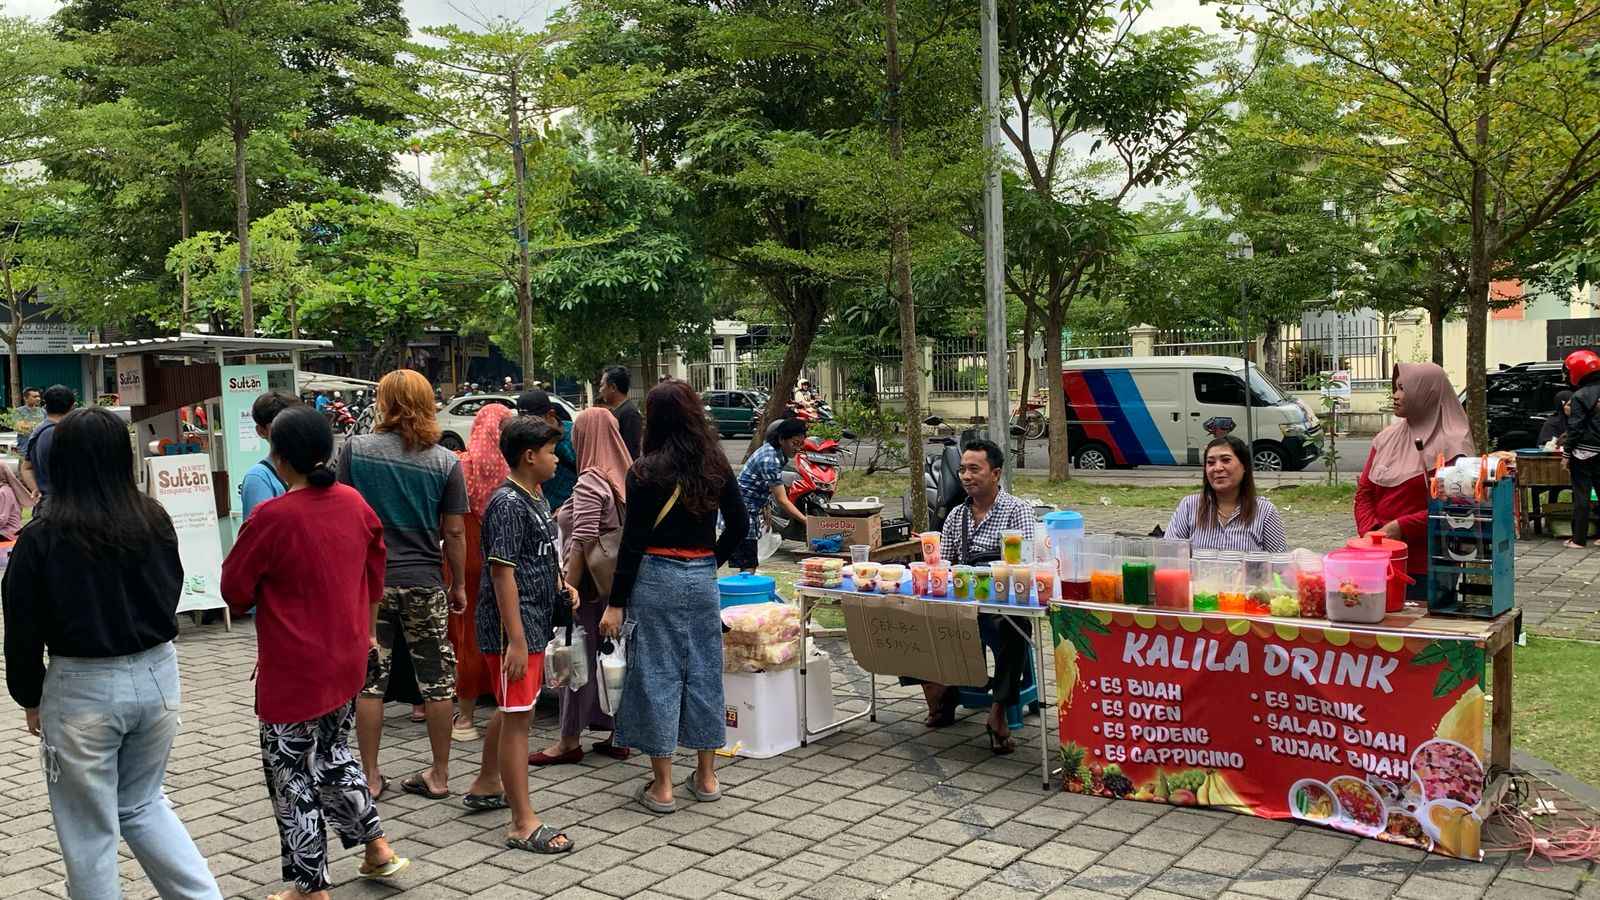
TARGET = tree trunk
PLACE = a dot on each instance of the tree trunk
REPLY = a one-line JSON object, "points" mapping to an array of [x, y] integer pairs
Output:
{"points": [[805, 305], [1025, 389], [1436, 331], [519, 165], [241, 191], [183, 235], [1055, 323], [1272, 349], [649, 360], [900, 268], [1478, 279]]}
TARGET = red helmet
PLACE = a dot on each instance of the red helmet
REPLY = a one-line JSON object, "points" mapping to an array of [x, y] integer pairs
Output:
{"points": [[1581, 364]]}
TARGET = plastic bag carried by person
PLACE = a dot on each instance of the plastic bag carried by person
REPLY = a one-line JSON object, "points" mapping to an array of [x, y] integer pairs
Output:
{"points": [[613, 665], [566, 661]]}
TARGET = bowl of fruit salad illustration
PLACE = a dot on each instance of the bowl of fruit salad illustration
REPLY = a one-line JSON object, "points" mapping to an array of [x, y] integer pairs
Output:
{"points": [[1360, 807], [1402, 827], [1448, 771], [1311, 800]]}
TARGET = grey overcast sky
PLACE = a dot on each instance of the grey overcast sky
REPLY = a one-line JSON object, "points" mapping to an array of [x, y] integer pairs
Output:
{"points": [[531, 12]]}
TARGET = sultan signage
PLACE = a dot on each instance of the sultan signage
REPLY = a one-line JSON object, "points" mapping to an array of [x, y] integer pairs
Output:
{"points": [[130, 379]]}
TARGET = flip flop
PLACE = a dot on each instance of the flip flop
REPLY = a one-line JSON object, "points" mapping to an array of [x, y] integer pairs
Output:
{"points": [[484, 802], [418, 718], [394, 865], [702, 796], [416, 785], [650, 803], [541, 758], [539, 841]]}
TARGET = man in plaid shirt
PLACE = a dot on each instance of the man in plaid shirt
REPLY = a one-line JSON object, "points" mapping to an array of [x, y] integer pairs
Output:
{"points": [[761, 484]]}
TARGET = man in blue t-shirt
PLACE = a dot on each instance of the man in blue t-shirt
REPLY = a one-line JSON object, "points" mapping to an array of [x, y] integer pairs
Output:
{"points": [[35, 471], [261, 481], [761, 484]]}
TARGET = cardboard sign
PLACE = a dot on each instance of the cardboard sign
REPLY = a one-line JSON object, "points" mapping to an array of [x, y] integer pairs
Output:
{"points": [[895, 634], [182, 485], [130, 379], [852, 529], [1371, 733]]}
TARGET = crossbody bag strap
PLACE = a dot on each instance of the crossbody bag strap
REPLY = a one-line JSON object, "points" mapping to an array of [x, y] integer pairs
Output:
{"points": [[667, 507]]}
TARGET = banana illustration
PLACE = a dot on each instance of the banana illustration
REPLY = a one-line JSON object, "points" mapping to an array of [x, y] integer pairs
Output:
{"points": [[1066, 671], [1215, 791]]}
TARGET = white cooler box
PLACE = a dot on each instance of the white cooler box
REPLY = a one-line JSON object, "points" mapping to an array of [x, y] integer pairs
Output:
{"points": [[763, 708]]}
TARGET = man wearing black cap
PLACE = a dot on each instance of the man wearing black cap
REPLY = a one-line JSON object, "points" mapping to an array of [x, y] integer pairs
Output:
{"points": [[559, 488]]}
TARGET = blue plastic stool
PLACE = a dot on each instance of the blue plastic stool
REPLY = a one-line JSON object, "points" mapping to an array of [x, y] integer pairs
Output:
{"points": [[980, 698]]}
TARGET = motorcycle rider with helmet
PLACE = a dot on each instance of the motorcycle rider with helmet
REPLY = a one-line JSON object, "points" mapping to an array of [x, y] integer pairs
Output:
{"points": [[1581, 446]]}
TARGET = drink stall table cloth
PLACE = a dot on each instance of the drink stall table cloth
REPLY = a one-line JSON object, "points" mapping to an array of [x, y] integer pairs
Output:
{"points": [[1375, 730]]}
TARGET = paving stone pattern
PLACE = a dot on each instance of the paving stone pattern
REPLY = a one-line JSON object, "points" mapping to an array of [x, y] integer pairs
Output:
{"points": [[886, 809]]}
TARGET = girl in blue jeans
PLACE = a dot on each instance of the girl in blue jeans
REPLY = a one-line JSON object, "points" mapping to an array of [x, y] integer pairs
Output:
{"points": [[95, 582]]}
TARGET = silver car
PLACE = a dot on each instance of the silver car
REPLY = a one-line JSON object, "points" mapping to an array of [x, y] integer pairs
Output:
{"points": [[455, 418]]}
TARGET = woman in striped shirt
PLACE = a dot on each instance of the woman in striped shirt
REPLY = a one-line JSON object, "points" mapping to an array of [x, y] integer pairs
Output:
{"points": [[1227, 514]]}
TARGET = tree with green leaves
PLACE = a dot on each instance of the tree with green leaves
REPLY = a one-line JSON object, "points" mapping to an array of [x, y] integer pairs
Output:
{"points": [[218, 66], [1148, 102], [497, 93], [1485, 113]]}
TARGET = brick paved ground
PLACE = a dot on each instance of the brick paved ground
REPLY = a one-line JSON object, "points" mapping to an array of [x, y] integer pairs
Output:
{"points": [[882, 810]]}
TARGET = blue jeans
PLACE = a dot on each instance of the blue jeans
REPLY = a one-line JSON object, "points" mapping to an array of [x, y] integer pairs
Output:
{"points": [[672, 690], [108, 726]]}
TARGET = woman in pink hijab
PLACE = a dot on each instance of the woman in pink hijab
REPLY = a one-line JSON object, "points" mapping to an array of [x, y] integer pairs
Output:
{"points": [[1392, 493], [598, 502], [485, 470]]}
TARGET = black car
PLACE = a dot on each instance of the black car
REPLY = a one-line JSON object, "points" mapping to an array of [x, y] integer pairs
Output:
{"points": [[1520, 398]]}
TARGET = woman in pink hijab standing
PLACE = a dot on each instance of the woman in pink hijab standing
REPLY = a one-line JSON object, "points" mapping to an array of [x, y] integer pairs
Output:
{"points": [[597, 505], [1392, 493]]}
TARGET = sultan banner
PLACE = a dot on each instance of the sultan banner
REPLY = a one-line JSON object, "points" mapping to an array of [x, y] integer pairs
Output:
{"points": [[1371, 732]]}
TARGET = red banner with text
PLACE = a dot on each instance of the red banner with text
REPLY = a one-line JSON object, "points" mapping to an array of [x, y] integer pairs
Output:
{"points": [[1373, 733]]}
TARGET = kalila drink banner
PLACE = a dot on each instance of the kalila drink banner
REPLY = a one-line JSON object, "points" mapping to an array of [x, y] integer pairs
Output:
{"points": [[1378, 735]]}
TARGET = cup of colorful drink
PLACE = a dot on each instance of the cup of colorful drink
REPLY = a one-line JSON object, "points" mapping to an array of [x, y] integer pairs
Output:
{"points": [[982, 584], [961, 582], [1000, 576], [919, 579], [939, 580], [931, 549], [1011, 547], [1044, 584], [1021, 584]]}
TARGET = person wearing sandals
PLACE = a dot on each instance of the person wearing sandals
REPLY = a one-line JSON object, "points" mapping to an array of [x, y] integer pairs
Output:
{"points": [[517, 597], [313, 632], [485, 470], [594, 509], [666, 584]]}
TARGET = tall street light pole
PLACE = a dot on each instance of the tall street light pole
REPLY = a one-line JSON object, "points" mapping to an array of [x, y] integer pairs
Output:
{"points": [[1240, 242], [994, 249]]}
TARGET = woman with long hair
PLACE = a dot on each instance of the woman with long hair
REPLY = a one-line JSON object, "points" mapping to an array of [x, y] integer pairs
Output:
{"points": [[95, 581], [596, 507], [485, 470], [1392, 492], [313, 631], [666, 581], [1227, 514]]}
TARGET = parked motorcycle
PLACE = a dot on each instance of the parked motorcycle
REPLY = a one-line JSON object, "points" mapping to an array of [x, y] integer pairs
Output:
{"points": [[810, 485], [941, 476], [1030, 420], [340, 418]]}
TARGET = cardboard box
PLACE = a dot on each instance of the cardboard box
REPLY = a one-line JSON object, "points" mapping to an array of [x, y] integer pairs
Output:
{"points": [[863, 530], [935, 641]]}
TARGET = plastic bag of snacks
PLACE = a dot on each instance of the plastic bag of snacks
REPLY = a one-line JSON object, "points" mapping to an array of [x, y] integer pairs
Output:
{"points": [[763, 658], [759, 624], [822, 571]]}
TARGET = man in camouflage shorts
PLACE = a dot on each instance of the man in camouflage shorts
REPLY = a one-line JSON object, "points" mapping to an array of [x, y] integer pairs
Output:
{"points": [[420, 495]]}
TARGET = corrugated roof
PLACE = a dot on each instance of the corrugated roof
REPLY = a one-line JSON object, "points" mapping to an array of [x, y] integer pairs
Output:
{"points": [[201, 343]]}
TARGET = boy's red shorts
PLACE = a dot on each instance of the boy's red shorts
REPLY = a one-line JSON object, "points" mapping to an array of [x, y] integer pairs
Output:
{"points": [[516, 696]]}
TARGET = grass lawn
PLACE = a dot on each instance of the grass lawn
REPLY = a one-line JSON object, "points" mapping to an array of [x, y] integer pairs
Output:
{"points": [[1552, 716], [1312, 498]]}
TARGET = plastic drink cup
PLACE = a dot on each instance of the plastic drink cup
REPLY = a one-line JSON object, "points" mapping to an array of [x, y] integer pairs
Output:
{"points": [[932, 542], [859, 553], [919, 579], [1011, 547], [939, 580], [1000, 574], [982, 583], [961, 582], [1044, 584], [1021, 584]]}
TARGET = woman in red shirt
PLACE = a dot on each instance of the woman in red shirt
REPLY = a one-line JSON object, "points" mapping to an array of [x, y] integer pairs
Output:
{"points": [[310, 563], [1392, 492]]}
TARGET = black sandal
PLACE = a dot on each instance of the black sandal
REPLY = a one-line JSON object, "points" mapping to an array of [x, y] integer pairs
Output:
{"points": [[1000, 745], [944, 715], [540, 841], [484, 802]]}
